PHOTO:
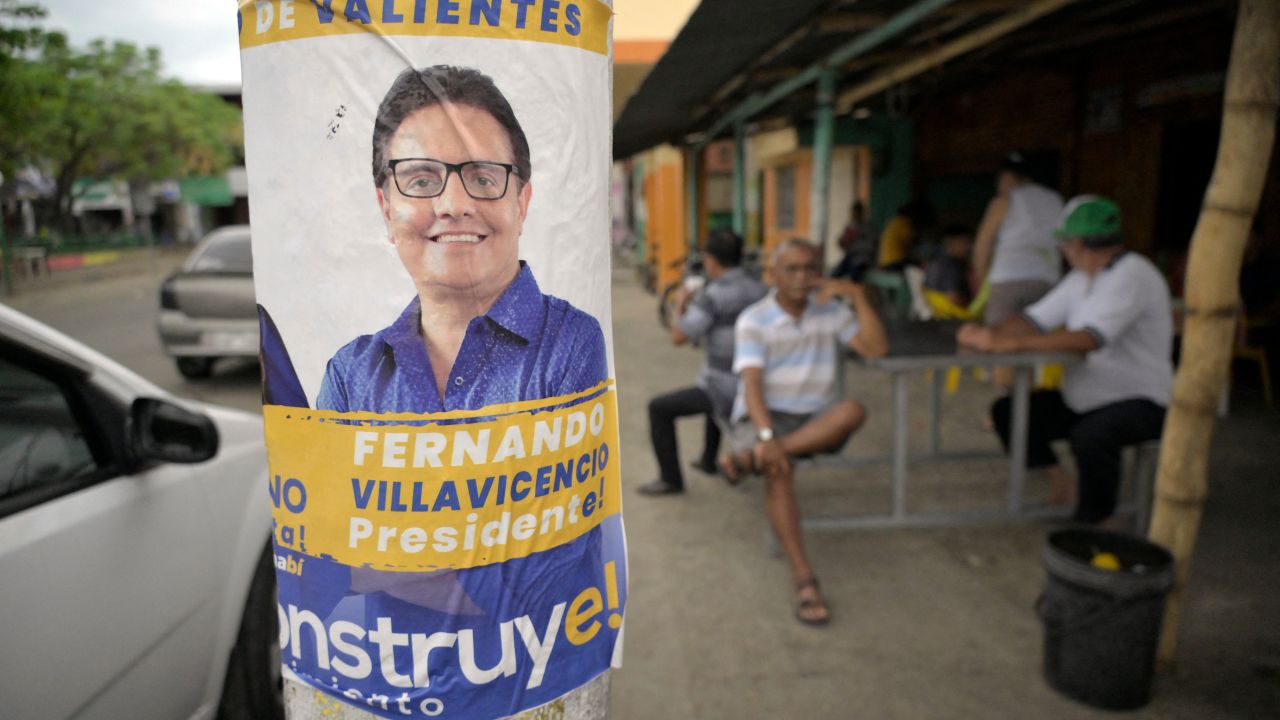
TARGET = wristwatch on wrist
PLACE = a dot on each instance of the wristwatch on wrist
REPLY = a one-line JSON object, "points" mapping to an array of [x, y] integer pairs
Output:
{"points": [[764, 434]]}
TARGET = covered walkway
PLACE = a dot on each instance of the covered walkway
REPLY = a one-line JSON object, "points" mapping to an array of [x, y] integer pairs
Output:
{"points": [[926, 623]]}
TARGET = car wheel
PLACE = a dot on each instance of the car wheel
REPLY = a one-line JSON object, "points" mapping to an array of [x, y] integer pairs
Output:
{"points": [[194, 368], [253, 686]]}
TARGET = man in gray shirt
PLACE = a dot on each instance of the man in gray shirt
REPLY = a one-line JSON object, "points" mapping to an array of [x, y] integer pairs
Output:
{"points": [[706, 316]]}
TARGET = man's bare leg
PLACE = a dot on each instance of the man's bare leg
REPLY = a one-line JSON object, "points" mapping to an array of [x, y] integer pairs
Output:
{"points": [[820, 433], [1062, 486], [1108, 523], [825, 430], [1002, 378], [784, 518]]}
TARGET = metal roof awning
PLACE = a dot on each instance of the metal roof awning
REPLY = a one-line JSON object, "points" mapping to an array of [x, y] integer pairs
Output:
{"points": [[761, 59], [715, 42]]}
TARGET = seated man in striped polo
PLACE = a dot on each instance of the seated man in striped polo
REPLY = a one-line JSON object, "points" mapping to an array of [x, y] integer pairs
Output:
{"points": [[785, 353]]}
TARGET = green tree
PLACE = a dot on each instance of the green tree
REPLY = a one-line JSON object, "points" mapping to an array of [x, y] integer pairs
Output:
{"points": [[20, 36], [107, 112], [17, 38]]}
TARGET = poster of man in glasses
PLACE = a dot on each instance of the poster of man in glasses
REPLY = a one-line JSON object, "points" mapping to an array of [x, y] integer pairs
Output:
{"points": [[429, 203], [454, 183]]}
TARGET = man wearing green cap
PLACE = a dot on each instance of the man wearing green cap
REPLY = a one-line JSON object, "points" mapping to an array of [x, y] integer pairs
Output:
{"points": [[1113, 307]]}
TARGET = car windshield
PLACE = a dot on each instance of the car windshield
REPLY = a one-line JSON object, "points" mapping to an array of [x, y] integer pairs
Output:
{"points": [[226, 253]]}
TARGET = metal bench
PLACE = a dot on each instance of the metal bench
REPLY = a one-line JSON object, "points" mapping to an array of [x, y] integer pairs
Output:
{"points": [[1140, 463]]}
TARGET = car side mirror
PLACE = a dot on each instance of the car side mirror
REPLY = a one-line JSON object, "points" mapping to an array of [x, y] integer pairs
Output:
{"points": [[161, 430]]}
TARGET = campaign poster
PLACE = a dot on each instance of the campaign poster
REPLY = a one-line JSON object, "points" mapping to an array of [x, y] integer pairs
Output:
{"points": [[429, 201]]}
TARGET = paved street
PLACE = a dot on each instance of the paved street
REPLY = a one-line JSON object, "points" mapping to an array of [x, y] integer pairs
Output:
{"points": [[926, 623], [113, 309]]}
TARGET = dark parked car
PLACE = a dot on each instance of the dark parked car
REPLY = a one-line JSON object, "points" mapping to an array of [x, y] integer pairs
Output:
{"points": [[207, 309]]}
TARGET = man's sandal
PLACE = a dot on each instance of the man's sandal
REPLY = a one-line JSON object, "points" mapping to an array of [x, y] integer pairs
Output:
{"points": [[806, 605]]}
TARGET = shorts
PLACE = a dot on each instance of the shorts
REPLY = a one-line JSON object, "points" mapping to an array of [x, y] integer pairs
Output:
{"points": [[743, 437], [1008, 299]]}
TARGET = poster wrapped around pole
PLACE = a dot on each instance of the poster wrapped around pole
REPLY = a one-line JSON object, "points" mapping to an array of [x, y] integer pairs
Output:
{"points": [[428, 186]]}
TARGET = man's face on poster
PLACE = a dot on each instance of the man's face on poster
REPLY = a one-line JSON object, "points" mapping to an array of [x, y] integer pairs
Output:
{"points": [[454, 240]]}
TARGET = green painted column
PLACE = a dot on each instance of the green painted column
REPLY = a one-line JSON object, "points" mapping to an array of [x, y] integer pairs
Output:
{"points": [[823, 141], [740, 177], [891, 188]]}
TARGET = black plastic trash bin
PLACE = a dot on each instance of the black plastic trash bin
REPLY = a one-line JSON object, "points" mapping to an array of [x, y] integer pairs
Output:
{"points": [[1101, 610]]}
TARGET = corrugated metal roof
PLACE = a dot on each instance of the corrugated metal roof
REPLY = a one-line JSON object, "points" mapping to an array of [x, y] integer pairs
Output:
{"points": [[717, 40], [730, 49]]}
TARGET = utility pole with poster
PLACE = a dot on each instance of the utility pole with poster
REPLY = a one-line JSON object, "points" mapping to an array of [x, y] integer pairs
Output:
{"points": [[429, 193]]}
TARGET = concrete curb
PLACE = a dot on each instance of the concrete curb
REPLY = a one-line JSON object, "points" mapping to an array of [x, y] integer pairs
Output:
{"points": [[78, 268]]}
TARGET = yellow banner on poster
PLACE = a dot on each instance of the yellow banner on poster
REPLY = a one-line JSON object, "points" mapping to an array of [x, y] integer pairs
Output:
{"points": [[430, 492], [576, 23]]}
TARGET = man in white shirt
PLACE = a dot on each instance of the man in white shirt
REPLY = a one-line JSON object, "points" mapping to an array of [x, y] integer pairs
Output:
{"points": [[1014, 247], [1014, 251], [1114, 307]]}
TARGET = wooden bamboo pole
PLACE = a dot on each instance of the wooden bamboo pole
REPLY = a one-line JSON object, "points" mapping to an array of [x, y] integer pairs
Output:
{"points": [[1212, 291]]}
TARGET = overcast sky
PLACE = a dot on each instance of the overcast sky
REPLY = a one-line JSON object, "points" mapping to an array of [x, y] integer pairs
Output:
{"points": [[197, 38]]}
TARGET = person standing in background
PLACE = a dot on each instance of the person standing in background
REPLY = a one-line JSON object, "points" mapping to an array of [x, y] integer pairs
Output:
{"points": [[1015, 250]]}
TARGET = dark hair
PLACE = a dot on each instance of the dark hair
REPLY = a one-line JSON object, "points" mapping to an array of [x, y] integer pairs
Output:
{"points": [[725, 246], [918, 211], [1015, 162], [957, 230], [415, 89], [1102, 241]]}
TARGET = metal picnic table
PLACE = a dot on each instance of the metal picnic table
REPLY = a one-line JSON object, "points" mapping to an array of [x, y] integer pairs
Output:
{"points": [[919, 346]]}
